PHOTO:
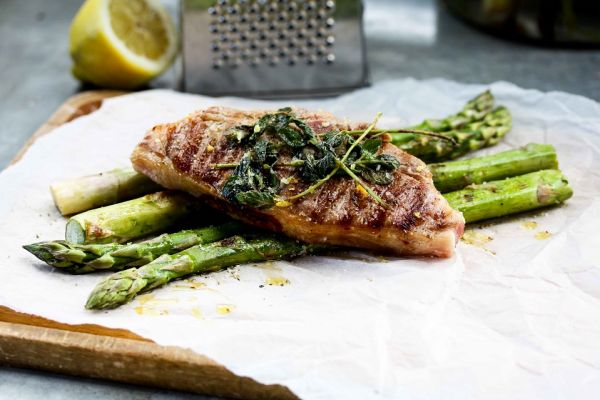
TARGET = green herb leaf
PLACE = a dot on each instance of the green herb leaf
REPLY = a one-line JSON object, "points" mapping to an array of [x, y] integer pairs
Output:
{"points": [[248, 180], [378, 177], [254, 182], [371, 146], [292, 137], [313, 168], [388, 161], [254, 198], [264, 152]]}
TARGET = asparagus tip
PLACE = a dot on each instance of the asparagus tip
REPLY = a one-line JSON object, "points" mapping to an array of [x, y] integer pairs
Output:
{"points": [[36, 250], [115, 290], [101, 298], [40, 251]]}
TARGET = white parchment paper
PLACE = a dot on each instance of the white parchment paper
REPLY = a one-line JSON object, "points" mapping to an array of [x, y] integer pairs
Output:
{"points": [[516, 315]]}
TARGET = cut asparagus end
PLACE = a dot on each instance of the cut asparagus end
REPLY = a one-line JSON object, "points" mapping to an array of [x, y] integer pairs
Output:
{"points": [[74, 232], [84, 193], [131, 219], [551, 193], [511, 196]]}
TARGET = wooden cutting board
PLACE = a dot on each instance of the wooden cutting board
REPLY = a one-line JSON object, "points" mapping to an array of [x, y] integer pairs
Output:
{"points": [[94, 351]]}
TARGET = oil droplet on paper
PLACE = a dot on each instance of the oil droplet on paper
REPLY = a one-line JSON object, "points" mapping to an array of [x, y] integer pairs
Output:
{"points": [[268, 266], [477, 239], [277, 281], [150, 305], [529, 225], [145, 298], [151, 311], [197, 313], [543, 235], [189, 284], [225, 308]]}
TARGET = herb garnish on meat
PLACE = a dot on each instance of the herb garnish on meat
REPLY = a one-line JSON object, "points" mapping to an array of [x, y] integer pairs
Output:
{"points": [[317, 158]]}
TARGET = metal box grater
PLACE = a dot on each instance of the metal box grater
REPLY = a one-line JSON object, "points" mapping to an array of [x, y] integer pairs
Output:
{"points": [[273, 48]]}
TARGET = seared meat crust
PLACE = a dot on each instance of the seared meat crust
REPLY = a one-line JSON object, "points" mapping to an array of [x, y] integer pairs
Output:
{"points": [[419, 221]]}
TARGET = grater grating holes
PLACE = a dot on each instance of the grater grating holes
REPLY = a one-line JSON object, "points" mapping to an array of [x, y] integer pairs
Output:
{"points": [[271, 32]]}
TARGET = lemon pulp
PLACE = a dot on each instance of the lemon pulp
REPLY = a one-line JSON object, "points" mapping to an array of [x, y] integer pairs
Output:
{"points": [[121, 43]]}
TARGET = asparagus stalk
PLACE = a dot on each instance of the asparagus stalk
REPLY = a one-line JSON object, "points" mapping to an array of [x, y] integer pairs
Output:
{"points": [[477, 202], [511, 196], [121, 287], [455, 175], [475, 110], [473, 136], [499, 198], [87, 192], [85, 258], [132, 219]]}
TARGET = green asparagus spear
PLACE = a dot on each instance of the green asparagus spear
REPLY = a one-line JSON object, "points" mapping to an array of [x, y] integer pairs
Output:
{"points": [[475, 110], [511, 195], [473, 136], [456, 175], [477, 202], [121, 287], [85, 258], [87, 192], [129, 220]]}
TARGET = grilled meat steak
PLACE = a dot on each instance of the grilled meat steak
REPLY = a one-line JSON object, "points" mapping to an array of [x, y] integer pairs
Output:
{"points": [[417, 220]]}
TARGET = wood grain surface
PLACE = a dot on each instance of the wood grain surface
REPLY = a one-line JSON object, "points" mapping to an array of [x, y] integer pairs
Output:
{"points": [[95, 351]]}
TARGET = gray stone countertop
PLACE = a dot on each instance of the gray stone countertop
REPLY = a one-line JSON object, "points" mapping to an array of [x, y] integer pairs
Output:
{"points": [[405, 38]]}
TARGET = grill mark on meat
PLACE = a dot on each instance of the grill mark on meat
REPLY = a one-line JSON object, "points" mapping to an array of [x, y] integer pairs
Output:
{"points": [[419, 220], [182, 146]]}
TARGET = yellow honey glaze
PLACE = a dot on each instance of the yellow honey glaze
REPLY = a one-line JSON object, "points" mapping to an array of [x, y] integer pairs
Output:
{"points": [[224, 308], [543, 235], [277, 281], [529, 225]]}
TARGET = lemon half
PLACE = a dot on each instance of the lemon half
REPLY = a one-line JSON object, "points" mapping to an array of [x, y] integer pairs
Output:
{"points": [[121, 44]]}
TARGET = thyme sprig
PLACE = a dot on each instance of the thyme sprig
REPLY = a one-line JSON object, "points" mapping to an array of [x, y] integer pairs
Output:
{"points": [[317, 158], [341, 164], [378, 132]]}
